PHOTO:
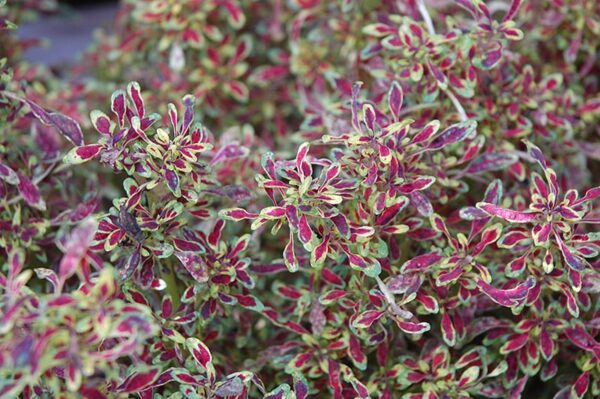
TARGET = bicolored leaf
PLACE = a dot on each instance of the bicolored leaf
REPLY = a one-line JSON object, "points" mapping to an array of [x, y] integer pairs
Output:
{"points": [[421, 263], [82, 154], [237, 214], [289, 255], [581, 385], [507, 214], [412, 328], [138, 380], [367, 318], [201, 355], [395, 99], [573, 261], [448, 330], [101, 122], [8, 175], [453, 134], [134, 91], [515, 343], [509, 297]]}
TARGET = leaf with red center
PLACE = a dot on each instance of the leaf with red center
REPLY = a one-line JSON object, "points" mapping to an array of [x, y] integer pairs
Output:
{"points": [[412, 328], [546, 344], [341, 224], [512, 10], [573, 261], [138, 380], [427, 132], [235, 14], [30, 193], [448, 330], [237, 214], [201, 355], [305, 233], [370, 267], [421, 263], [355, 353], [289, 255], [581, 386], [319, 253], [303, 165], [188, 115], [454, 134], [333, 371], [101, 122], [541, 233], [507, 214], [172, 179], [568, 213], [439, 76], [469, 376], [238, 90], [512, 238], [82, 154], [429, 303], [590, 195], [370, 117], [492, 57], [367, 318], [118, 106], [395, 99], [508, 297], [515, 343], [134, 91], [418, 184], [537, 154], [582, 339], [488, 236]]}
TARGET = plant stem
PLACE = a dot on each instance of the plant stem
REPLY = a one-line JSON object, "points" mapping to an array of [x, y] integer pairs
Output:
{"points": [[429, 23]]}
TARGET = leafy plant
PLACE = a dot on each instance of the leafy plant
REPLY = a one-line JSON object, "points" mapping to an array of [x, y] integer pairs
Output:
{"points": [[294, 199]]}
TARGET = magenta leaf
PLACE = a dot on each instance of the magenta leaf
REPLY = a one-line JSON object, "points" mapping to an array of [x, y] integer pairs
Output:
{"points": [[507, 214], [82, 154], [421, 263], [509, 297]]}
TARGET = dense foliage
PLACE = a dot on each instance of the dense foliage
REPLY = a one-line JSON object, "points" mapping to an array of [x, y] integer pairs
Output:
{"points": [[304, 198]]}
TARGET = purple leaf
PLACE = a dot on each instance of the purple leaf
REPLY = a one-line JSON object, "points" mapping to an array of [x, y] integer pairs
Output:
{"points": [[491, 162], [453, 134], [30, 193], [395, 98]]}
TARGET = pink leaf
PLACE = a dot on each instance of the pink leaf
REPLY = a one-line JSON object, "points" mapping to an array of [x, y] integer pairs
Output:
{"points": [[507, 214]]}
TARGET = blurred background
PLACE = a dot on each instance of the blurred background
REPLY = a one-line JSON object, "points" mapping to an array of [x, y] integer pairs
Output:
{"points": [[67, 31]]}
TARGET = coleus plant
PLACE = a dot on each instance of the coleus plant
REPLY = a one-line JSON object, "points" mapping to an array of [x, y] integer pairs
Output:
{"points": [[383, 199]]}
